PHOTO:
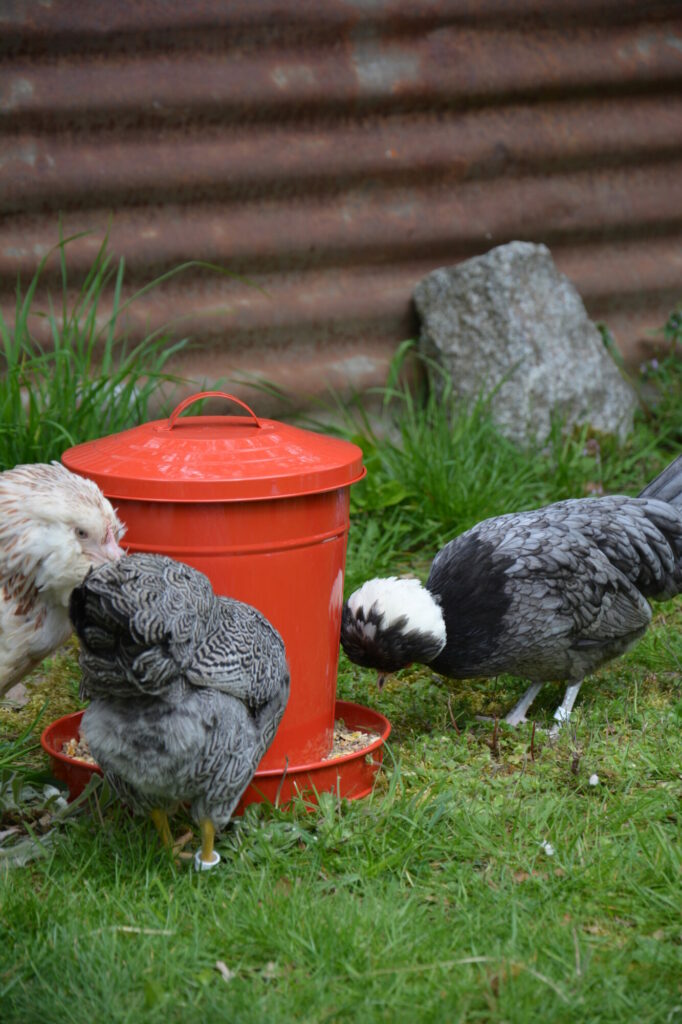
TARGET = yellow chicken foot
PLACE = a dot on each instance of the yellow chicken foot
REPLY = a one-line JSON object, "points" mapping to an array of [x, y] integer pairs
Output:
{"points": [[181, 843], [206, 858], [160, 819]]}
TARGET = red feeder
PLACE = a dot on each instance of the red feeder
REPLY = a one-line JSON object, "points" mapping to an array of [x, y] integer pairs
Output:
{"points": [[350, 775], [260, 507]]}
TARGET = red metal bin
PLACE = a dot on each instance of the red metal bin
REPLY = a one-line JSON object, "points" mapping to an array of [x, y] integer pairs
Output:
{"points": [[262, 508]]}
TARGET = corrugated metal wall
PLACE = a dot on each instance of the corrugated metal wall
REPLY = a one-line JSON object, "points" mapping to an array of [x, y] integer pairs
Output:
{"points": [[334, 152]]}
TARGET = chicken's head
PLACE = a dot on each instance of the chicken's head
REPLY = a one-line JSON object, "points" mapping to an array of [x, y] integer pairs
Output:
{"points": [[389, 623], [59, 525]]}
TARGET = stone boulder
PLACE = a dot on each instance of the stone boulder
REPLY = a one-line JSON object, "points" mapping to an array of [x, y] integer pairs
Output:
{"points": [[508, 320]]}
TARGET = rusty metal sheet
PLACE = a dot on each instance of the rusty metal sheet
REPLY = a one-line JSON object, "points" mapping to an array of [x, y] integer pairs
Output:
{"points": [[335, 153], [367, 222], [60, 22], [444, 65], [39, 171]]}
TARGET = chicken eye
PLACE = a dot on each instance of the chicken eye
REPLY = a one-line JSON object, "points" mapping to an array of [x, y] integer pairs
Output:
{"points": [[81, 533]]}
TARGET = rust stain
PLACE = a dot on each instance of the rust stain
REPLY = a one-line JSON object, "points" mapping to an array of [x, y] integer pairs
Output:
{"points": [[334, 154]]}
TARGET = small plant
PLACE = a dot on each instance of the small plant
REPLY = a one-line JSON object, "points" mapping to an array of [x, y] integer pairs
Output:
{"points": [[15, 750], [87, 379], [660, 384]]}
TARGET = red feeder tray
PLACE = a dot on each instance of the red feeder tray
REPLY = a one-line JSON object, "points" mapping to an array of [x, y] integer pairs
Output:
{"points": [[350, 775]]}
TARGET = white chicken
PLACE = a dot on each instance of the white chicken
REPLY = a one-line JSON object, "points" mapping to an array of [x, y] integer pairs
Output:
{"points": [[54, 527]]}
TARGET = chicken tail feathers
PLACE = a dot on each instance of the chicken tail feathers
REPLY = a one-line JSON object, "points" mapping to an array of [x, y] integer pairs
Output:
{"points": [[667, 486]]}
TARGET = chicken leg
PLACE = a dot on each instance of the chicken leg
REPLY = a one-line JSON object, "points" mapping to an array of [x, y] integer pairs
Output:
{"points": [[517, 715], [206, 858], [563, 712], [160, 819]]}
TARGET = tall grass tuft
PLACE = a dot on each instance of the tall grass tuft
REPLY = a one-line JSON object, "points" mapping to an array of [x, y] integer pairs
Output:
{"points": [[661, 386], [88, 379]]}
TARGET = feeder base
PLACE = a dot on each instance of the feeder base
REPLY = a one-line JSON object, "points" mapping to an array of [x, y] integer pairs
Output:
{"points": [[350, 776]]}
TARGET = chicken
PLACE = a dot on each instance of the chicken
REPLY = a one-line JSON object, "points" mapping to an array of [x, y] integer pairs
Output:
{"points": [[549, 595], [54, 526], [186, 690]]}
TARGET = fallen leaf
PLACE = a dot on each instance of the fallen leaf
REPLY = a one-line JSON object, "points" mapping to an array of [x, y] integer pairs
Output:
{"points": [[224, 971], [523, 876], [18, 696]]}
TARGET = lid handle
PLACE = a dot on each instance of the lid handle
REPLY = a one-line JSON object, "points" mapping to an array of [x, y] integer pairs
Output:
{"points": [[209, 394]]}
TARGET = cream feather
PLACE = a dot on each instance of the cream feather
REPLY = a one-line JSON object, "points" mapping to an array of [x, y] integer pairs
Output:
{"points": [[54, 526]]}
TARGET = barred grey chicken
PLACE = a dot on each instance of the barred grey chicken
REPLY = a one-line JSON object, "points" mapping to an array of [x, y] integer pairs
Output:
{"points": [[186, 689], [549, 595]]}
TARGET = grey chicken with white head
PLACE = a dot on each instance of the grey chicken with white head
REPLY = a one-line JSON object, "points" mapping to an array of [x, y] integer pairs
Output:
{"points": [[186, 690], [549, 595]]}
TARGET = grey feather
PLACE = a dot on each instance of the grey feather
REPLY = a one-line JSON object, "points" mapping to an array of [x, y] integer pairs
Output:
{"points": [[577, 572], [549, 594], [667, 486], [187, 689]]}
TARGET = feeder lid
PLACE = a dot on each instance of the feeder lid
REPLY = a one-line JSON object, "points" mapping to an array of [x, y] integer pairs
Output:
{"points": [[215, 458]]}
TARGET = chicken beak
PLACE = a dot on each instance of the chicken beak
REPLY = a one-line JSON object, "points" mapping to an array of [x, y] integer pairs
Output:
{"points": [[111, 550]]}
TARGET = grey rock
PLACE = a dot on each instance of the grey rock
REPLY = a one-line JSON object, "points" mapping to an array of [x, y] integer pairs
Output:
{"points": [[508, 320]]}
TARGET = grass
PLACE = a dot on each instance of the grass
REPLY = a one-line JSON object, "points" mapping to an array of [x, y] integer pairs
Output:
{"points": [[434, 899], [435, 468], [85, 378]]}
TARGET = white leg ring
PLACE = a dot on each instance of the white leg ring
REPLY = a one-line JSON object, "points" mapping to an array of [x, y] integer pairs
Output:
{"points": [[205, 865]]}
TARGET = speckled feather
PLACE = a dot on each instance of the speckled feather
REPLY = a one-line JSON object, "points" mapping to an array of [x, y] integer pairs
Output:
{"points": [[568, 585], [186, 688]]}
